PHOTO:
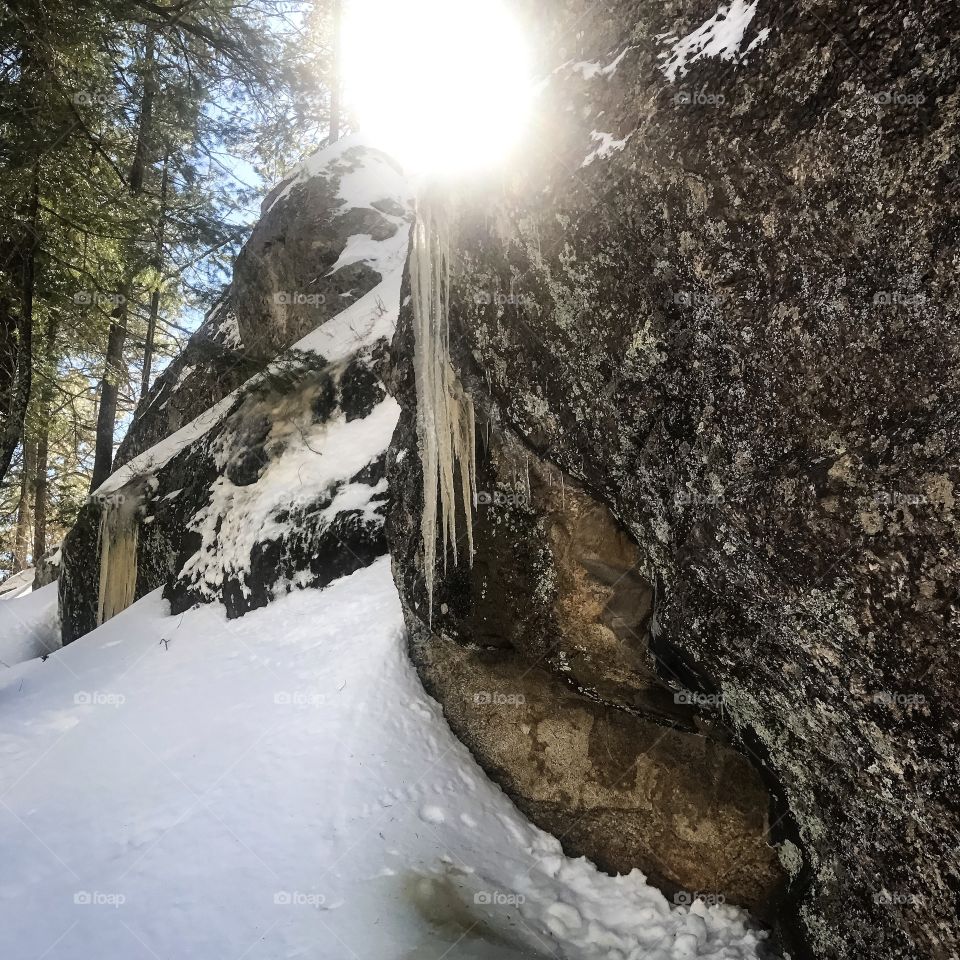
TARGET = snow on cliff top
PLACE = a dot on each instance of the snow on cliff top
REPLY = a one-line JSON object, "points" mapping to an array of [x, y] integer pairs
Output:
{"points": [[281, 786]]}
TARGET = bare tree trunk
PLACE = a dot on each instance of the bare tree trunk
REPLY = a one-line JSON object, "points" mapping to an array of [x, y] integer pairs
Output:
{"points": [[113, 368], [335, 100], [155, 296], [19, 396], [22, 544], [43, 440], [113, 375], [40, 494]]}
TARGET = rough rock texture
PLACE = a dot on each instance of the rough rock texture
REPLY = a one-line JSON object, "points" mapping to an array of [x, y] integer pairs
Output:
{"points": [[540, 656], [212, 365], [725, 304], [47, 568]]}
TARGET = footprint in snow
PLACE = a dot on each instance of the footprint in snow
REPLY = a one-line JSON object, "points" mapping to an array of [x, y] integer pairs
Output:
{"points": [[432, 814]]}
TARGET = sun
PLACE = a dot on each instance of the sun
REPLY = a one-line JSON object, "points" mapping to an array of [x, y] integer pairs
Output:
{"points": [[444, 86]]}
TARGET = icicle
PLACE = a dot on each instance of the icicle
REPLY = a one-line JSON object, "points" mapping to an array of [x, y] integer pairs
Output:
{"points": [[445, 416], [117, 537]]}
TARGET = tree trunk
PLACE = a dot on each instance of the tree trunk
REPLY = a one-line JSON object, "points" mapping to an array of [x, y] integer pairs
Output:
{"points": [[19, 394], [113, 368], [155, 296], [43, 439], [335, 100], [22, 544], [113, 375], [40, 493]]}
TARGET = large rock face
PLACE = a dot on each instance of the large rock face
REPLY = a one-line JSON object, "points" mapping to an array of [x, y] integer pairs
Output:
{"points": [[719, 293], [540, 655]]}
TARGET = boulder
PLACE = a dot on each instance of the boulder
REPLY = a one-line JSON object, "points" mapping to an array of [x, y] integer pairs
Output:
{"points": [[717, 293], [257, 464]]}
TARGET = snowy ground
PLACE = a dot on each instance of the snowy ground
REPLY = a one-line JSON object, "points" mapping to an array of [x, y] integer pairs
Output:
{"points": [[17, 584], [279, 786], [29, 625]]}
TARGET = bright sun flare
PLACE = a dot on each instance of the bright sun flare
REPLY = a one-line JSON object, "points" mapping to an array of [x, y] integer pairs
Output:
{"points": [[442, 85]]}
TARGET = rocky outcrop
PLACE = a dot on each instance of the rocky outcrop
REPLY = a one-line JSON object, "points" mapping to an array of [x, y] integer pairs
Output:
{"points": [[278, 483], [718, 293], [314, 252], [706, 329]]}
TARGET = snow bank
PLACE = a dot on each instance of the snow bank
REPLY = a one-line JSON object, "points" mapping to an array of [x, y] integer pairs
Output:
{"points": [[281, 786], [17, 584], [29, 626]]}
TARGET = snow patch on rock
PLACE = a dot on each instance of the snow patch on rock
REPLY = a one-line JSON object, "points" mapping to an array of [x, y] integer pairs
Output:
{"points": [[720, 36], [607, 144]]}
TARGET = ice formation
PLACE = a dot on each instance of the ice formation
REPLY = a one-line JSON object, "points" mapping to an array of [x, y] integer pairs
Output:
{"points": [[445, 417], [118, 556]]}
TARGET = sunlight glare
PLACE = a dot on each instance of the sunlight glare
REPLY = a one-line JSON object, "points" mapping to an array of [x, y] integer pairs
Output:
{"points": [[442, 85]]}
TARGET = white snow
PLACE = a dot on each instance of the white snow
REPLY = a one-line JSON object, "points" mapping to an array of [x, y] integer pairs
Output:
{"points": [[607, 145], [376, 178], [720, 36], [315, 458], [280, 786], [160, 454], [29, 625], [184, 375], [17, 584], [589, 69]]}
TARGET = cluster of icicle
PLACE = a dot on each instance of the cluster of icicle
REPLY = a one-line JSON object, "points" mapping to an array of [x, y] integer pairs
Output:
{"points": [[445, 417], [118, 557]]}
